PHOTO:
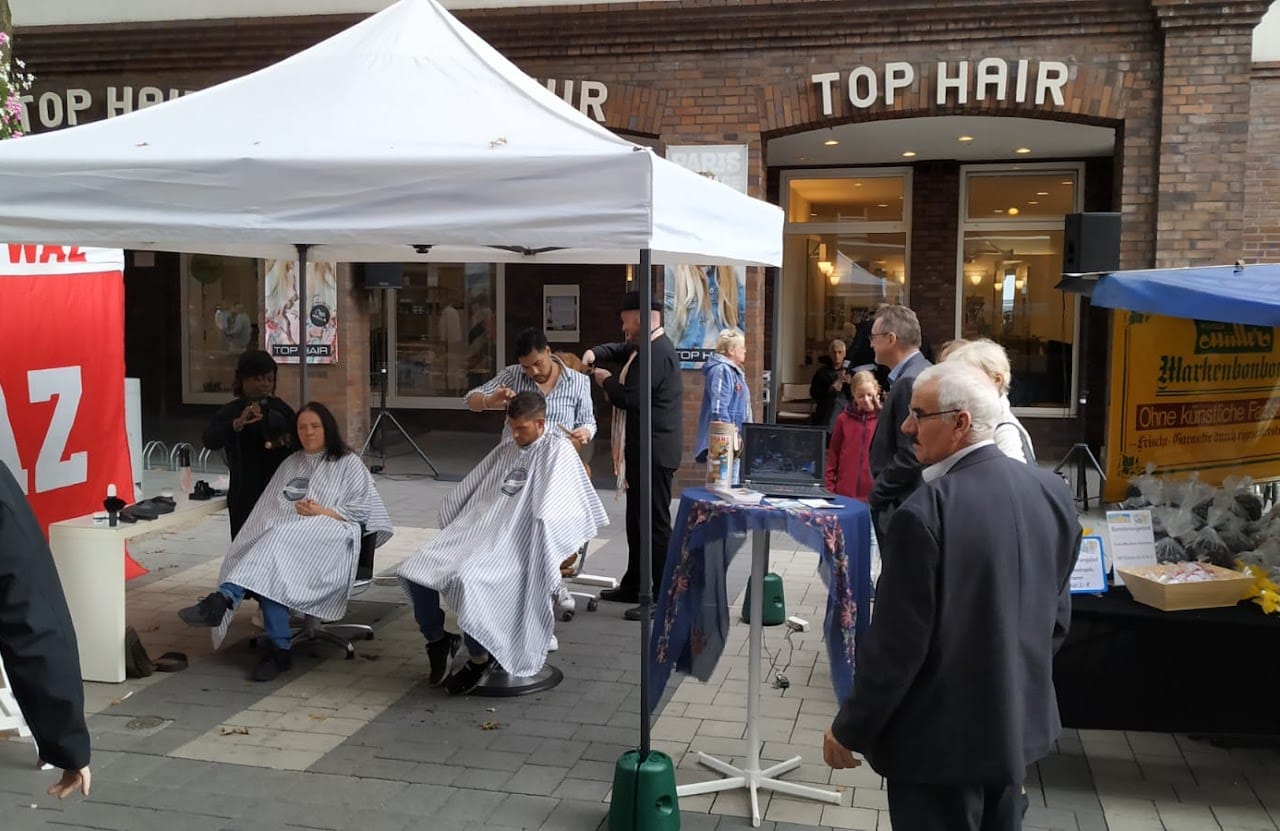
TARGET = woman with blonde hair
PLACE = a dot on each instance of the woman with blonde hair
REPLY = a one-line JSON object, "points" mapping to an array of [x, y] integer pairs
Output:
{"points": [[725, 395], [1010, 436]]}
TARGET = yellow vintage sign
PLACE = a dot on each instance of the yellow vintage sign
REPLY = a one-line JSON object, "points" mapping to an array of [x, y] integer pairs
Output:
{"points": [[1191, 395]]}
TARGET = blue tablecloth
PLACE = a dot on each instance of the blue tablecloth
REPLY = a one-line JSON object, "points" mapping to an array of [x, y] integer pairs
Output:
{"points": [[691, 621]]}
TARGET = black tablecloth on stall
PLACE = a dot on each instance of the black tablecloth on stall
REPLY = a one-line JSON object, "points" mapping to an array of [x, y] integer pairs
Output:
{"points": [[1128, 666]]}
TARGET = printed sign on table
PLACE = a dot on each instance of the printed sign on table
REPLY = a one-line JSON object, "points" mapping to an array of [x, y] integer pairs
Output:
{"points": [[62, 419], [1090, 574], [1133, 542]]}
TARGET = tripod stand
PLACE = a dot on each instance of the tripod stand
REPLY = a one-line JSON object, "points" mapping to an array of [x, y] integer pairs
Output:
{"points": [[378, 430], [1080, 455]]}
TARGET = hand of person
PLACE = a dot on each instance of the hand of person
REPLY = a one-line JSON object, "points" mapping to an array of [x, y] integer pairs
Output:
{"points": [[837, 755], [308, 507], [589, 358], [501, 396], [579, 436], [71, 781], [248, 415], [600, 375]]}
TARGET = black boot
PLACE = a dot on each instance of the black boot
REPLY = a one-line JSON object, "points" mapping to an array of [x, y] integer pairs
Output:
{"points": [[208, 612], [276, 661]]}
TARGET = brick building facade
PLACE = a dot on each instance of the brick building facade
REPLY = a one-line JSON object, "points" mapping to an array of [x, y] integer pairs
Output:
{"points": [[1192, 168]]}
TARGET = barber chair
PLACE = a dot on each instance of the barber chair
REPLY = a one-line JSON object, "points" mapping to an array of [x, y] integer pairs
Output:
{"points": [[314, 630]]}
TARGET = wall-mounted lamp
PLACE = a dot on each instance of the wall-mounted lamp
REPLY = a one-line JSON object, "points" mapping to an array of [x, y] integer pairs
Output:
{"points": [[1020, 283], [998, 285], [826, 267], [975, 278]]}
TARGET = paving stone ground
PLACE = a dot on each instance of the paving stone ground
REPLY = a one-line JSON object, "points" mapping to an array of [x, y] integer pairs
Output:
{"points": [[366, 744]]}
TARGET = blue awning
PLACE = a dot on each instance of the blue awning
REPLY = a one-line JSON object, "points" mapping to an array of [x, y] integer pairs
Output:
{"points": [[1228, 294]]}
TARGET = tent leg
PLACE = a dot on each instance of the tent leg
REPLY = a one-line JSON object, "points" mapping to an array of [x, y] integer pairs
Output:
{"points": [[303, 325]]}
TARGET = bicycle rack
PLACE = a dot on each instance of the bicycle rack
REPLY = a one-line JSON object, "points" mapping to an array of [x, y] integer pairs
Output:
{"points": [[203, 459], [152, 446], [177, 449]]}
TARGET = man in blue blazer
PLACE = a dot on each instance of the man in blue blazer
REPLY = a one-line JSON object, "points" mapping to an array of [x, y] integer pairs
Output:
{"points": [[954, 694], [895, 338]]}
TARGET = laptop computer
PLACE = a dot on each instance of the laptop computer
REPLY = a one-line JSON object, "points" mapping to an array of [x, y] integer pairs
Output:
{"points": [[784, 460]]}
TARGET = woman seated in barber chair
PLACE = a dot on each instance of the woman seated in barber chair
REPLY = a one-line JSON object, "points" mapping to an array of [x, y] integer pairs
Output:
{"points": [[300, 545]]}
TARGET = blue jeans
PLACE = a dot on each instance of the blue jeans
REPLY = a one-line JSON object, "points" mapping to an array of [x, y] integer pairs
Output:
{"points": [[430, 617], [275, 616]]}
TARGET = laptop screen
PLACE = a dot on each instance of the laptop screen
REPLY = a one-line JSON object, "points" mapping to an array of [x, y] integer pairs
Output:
{"points": [[782, 454]]}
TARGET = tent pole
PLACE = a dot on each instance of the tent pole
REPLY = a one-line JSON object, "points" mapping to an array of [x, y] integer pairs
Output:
{"points": [[645, 480], [303, 324]]}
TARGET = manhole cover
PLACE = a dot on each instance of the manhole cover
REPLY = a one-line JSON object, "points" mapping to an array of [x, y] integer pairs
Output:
{"points": [[144, 723]]}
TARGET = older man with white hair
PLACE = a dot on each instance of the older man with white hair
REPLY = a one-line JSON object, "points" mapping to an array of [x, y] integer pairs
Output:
{"points": [[954, 694]]}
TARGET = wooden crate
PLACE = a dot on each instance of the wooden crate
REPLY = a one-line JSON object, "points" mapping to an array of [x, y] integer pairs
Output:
{"points": [[1226, 590]]}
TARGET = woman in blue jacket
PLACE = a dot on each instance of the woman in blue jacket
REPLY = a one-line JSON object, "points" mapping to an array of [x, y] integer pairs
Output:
{"points": [[725, 396]]}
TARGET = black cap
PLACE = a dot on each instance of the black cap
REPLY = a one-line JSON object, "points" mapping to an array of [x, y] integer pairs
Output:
{"points": [[631, 302]]}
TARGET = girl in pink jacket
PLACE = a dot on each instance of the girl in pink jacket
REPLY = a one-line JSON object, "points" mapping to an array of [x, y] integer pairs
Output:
{"points": [[848, 465]]}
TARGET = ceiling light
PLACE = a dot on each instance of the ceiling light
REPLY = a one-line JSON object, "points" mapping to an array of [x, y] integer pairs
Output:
{"points": [[998, 211], [804, 158], [882, 205], [908, 154], [1042, 193], [1033, 202], [857, 184], [830, 143], [1022, 151], [964, 138], [1014, 212], [1067, 182]]}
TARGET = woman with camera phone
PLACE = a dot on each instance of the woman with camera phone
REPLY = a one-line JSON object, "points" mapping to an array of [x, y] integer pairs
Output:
{"points": [[255, 431]]}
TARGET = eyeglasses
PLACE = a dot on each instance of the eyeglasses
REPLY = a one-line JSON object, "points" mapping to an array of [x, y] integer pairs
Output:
{"points": [[875, 335], [920, 415]]}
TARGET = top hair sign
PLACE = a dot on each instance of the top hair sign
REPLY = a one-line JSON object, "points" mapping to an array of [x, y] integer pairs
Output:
{"points": [[954, 82]]}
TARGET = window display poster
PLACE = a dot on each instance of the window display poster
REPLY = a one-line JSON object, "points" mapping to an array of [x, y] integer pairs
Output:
{"points": [[701, 300], [285, 310], [1191, 395], [1132, 540], [1090, 573], [560, 313], [62, 412]]}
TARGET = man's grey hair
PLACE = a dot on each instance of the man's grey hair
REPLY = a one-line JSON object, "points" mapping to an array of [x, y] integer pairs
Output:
{"points": [[902, 322], [965, 387]]}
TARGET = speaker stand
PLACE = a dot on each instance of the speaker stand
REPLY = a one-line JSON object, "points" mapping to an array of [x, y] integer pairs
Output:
{"points": [[1082, 457], [378, 430]]}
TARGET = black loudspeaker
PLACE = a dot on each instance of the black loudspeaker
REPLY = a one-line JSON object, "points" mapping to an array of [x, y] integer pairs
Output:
{"points": [[384, 275], [1092, 243]]}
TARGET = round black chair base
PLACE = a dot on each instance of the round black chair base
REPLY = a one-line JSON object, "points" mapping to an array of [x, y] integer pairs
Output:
{"points": [[500, 684]]}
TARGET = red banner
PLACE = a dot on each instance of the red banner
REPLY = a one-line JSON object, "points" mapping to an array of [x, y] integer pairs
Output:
{"points": [[62, 428]]}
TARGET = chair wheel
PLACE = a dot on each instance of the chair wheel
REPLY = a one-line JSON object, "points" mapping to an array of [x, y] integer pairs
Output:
{"points": [[566, 615], [351, 654], [253, 643], [369, 637], [592, 605]]}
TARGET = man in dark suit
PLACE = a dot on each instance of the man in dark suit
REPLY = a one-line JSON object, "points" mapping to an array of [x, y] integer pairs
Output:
{"points": [[624, 393], [954, 692], [38, 642], [895, 338]]}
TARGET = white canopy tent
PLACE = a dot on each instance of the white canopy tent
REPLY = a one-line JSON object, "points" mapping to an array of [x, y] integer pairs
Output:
{"points": [[406, 137], [405, 130]]}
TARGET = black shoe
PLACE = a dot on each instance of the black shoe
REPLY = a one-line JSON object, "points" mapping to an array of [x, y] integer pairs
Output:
{"points": [[636, 612], [440, 657], [620, 595], [276, 661], [208, 612], [468, 677]]}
